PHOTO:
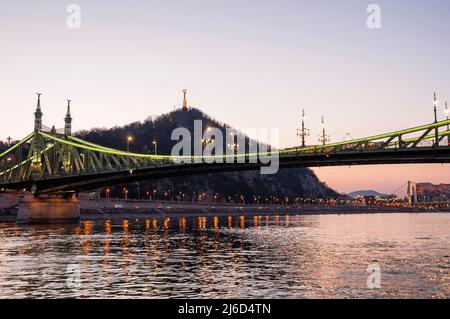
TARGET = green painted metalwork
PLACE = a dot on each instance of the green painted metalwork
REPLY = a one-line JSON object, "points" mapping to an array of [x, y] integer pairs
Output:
{"points": [[26, 139], [52, 155]]}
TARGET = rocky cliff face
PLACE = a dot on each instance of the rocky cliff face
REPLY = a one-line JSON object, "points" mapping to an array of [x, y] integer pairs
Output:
{"points": [[291, 183]]}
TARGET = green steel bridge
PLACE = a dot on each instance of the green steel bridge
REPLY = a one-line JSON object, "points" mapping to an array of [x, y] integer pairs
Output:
{"points": [[49, 161]]}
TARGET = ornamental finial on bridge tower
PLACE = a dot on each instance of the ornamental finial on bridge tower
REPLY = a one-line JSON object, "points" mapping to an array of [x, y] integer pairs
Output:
{"points": [[38, 114], [68, 120], [184, 100]]}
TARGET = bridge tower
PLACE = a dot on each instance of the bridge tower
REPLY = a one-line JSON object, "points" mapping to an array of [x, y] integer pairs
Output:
{"points": [[38, 144], [38, 114], [67, 150], [68, 120], [37, 208], [411, 193]]}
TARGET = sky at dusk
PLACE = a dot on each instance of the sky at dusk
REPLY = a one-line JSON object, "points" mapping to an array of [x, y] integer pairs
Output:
{"points": [[252, 64]]}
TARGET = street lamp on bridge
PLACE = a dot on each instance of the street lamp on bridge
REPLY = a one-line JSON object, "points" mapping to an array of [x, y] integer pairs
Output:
{"points": [[324, 138], [435, 103], [446, 111], [303, 132], [436, 130]]}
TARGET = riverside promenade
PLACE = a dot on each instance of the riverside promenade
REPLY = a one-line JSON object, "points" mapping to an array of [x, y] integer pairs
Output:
{"points": [[102, 208]]}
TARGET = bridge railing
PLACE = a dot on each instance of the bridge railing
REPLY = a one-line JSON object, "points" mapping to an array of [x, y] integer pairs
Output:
{"points": [[391, 140]]}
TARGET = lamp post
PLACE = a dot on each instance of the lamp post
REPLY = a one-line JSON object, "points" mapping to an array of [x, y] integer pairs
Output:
{"points": [[436, 130], [325, 137], [234, 147], [155, 145], [207, 141], [447, 112], [129, 140], [303, 132]]}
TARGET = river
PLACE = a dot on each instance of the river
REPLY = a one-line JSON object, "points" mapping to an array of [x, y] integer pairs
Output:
{"points": [[315, 256]]}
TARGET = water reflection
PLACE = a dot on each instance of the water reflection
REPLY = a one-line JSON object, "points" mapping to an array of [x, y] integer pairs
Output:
{"points": [[229, 256]]}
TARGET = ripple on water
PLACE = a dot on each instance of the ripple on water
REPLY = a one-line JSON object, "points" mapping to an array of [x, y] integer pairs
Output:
{"points": [[267, 257]]}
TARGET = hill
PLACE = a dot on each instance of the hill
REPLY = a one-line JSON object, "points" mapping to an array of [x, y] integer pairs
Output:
{"points": [[298, 182]]}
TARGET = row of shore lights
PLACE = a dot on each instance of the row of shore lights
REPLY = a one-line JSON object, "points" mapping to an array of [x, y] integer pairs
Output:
{"points": [[233, 146], [130, 139]]}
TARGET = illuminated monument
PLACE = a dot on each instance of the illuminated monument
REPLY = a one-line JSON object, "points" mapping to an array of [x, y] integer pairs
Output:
{"points": [[184, 107], [183, 120]]}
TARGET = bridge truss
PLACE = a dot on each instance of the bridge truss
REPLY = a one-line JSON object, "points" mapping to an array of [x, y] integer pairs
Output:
{"points": [[51, 162]]}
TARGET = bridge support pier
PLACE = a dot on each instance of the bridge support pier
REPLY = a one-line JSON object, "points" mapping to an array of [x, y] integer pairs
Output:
{"points": [[48, 209]]}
